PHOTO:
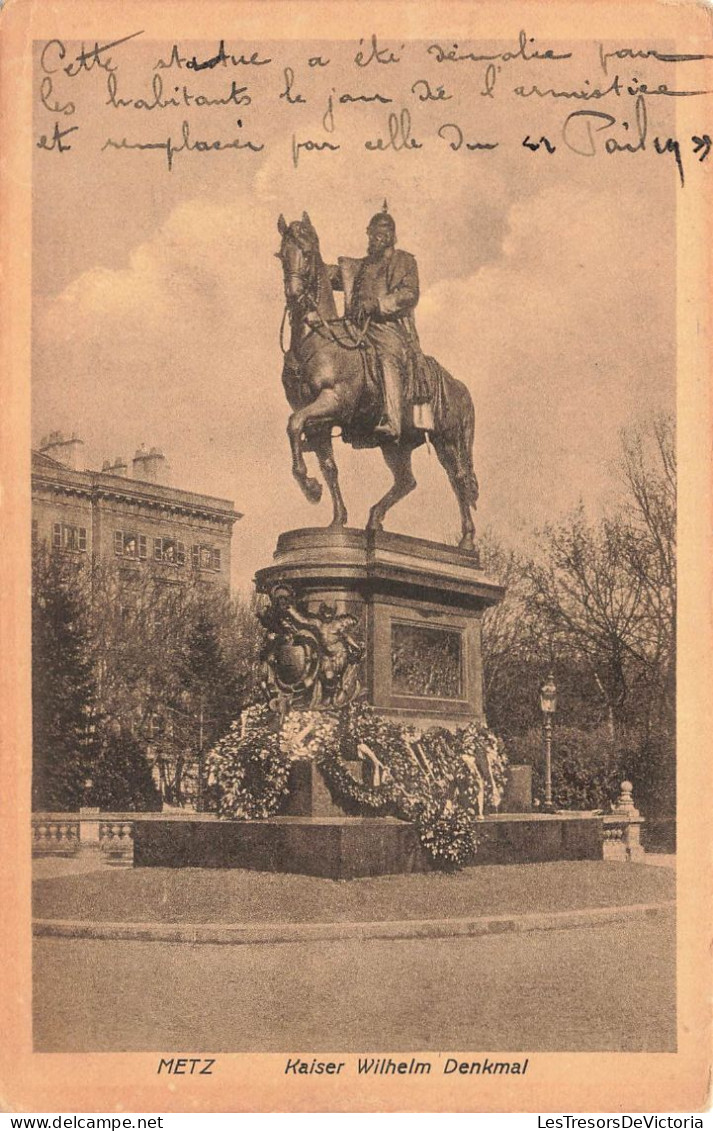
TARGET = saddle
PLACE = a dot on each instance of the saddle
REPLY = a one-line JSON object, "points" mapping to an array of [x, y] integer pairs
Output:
{"points": [[422, 384], [359, 432]]}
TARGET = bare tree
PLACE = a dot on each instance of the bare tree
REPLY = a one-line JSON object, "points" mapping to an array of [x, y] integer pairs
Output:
{"points": [[606, 590], [590, 604], [515, 643], [648, 470], [502, 623], [173, 664]]}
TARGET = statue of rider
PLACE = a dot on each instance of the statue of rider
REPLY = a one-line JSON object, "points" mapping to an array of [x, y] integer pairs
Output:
{"points": [[381, 293]]}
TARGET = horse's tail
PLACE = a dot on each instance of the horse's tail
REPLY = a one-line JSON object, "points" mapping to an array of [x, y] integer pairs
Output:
{"points": [[466, 440], [454, 421]]}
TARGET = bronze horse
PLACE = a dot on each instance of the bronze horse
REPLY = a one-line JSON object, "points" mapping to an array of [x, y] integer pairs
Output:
{"points": [[327, 382]]}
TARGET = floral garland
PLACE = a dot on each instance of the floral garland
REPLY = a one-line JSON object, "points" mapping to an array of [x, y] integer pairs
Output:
{"points": [[484, 756], [249, 767], [439, 780], [448, 833]]}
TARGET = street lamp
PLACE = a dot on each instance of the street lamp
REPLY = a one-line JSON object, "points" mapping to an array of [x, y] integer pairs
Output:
{"points": [[548, 706]]}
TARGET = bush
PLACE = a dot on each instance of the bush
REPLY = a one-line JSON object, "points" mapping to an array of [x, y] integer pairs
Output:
{"points": [[121, 776], [587, 767], [62, 688], [649, 761]]}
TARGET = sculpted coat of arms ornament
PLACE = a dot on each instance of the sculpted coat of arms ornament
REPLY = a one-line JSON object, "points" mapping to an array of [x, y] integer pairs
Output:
{"points": [[311, 659]]}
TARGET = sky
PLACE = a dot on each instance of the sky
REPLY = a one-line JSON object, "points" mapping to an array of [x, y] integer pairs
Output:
{"points": [[547, 286]]}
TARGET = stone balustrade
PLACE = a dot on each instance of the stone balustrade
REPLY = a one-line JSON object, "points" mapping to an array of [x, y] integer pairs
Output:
{"points": [[116, 840], [55, 836], [622, 828], [112, 834]]}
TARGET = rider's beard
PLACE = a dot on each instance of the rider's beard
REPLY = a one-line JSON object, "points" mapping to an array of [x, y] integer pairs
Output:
{"points": [[376, 250]]}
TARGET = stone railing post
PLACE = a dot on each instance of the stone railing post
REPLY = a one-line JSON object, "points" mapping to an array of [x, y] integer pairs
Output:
{"points": [[89, 828], [628, 817]]}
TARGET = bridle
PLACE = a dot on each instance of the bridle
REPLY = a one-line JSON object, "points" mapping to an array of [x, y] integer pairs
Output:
{"points": [[309, 297]]}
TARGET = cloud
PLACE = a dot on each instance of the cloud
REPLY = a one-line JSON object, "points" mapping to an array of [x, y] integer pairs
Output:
{"points": [[561, 341], [452, 231]]}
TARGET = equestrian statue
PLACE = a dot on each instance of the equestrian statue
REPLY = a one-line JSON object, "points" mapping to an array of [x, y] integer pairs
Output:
{"points": [[365, 373]]}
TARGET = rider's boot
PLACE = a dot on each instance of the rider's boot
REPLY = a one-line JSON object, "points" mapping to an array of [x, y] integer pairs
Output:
{"points": [[386, 428]]}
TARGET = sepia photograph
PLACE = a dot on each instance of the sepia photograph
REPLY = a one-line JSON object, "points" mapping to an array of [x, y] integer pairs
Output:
{"points": [[361, 399]]}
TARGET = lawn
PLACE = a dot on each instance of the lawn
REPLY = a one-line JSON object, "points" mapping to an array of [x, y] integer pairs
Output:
{"points": [[193, 895]]}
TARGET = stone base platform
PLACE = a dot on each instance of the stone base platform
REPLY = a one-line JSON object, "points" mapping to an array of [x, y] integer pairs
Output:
{"points": [[521, 838], [343, 848], [338, 848]]}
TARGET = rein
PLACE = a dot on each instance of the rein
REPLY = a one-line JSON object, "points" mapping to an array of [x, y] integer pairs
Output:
{"points": [[358, 342], [285, 316], [322, 329]]}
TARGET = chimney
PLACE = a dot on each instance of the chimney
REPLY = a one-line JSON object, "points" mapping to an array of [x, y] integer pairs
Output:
{"points": [[118, 467], [66, 451], [150, 467]]}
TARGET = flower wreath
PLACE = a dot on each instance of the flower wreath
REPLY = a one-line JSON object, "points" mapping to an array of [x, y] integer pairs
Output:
{"points": [[439, 780], [250, 767]]}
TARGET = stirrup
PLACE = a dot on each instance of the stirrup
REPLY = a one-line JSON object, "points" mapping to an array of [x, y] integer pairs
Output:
{"points": [[386, 428]]}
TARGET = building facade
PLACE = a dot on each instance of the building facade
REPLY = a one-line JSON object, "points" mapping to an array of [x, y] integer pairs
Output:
{"points": [[145, 528], [132, 520]]}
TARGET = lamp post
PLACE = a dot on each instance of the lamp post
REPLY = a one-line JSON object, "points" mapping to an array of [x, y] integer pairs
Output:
{"points": [[85, 805], [548, 706], [202, 720]]}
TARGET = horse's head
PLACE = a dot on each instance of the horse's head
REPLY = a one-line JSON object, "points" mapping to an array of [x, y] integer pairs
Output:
{"points": [[300, 258]]}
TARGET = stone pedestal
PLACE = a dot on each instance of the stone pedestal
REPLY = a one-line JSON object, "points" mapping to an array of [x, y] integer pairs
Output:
{"points": [[622, 827], [518, 790], [522, 838], [89, 840], [396, 618], [418, 607], [309, 795]]}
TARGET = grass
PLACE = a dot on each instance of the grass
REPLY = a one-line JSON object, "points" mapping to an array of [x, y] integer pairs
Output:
{"points": [[193, 895]]}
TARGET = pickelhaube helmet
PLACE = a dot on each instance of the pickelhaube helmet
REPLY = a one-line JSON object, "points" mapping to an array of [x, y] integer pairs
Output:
{"points": [[383, 218]]}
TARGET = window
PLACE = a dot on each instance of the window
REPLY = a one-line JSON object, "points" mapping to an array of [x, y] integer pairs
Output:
{"points": [[169, 550], [70, 538], [206, 557], [128, 544]]}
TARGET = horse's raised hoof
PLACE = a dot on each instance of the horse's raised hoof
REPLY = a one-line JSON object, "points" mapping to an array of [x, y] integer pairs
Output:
{"points": [[312, 489]]}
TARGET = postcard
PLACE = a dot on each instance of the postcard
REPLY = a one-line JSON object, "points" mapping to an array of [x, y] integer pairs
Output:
{"points": [[356, 585]]}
